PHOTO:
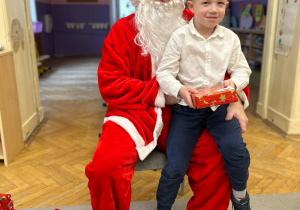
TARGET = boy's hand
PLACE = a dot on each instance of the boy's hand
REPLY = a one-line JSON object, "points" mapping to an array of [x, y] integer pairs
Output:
{"points": [[236, 110], [185, 93], [229, 82]]}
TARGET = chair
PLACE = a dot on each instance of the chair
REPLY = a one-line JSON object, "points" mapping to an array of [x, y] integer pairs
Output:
{"points": [[40, 59], [154, 161]]}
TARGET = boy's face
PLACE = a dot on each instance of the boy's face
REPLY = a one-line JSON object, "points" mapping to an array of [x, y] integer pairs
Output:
{"points": [[207, 13]]}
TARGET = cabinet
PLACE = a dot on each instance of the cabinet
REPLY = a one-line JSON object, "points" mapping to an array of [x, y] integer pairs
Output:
{"points": [[252, 42], [11, 139]]}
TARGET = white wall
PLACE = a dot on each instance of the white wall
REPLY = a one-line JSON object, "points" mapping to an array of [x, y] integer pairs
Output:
{"points": [[279, 97]]}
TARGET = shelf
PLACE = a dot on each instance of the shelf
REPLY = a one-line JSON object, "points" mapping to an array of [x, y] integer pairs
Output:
{"points": [[11, 142], [245, 45], [1, 151], [251, 41], [258, 47], [255, 59], [252, 31], [1, 148]]}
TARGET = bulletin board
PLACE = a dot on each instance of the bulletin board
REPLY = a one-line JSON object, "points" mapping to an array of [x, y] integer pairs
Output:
{"points": [[287, 14]]}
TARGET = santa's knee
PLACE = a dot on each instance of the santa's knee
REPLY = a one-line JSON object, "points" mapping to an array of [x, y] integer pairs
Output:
{"points": [[103, 166]]}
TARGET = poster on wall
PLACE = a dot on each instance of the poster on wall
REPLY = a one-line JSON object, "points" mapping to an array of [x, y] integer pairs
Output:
{"points": [[125, 8], [287, 14]]}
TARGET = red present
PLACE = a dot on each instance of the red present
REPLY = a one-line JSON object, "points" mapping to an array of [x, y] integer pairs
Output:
{"points": [[213, 96], [5, 202]]}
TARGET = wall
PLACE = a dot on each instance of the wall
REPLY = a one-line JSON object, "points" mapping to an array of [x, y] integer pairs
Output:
{"points": [[78, 28], [4, 39], [45, 40], [84, 2], [279, 97]]}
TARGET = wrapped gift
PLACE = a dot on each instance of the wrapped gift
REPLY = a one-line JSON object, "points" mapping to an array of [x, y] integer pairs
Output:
{"points": [[213, 96], [5, 202]]}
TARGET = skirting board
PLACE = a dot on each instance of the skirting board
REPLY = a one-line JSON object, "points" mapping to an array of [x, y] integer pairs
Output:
{"points": [[290, 201], [33, 121], [286, 126]]}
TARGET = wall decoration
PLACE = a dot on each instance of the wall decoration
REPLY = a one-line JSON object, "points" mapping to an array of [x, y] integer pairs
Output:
{"points": [[259, 17], [286, 26], [77, 28], [246, 20], [17, 35]]}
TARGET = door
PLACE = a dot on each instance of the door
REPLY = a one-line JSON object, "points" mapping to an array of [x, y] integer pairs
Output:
{"points": [[18, 38], [11, 140], [20, 109]]}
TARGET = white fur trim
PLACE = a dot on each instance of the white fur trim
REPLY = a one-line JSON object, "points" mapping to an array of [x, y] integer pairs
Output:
{"points": [[127, 125], [160, 99], [243, 98], [159, 124]]}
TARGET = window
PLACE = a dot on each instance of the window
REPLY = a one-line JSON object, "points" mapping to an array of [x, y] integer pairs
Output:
{"points": [[33, 10]]}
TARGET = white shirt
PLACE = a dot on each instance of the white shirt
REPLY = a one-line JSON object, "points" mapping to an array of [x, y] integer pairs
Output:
{"points": [[190, 59]]}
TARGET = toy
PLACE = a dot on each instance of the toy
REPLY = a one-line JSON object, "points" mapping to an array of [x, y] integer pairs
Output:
{"points": [[5, 202]]}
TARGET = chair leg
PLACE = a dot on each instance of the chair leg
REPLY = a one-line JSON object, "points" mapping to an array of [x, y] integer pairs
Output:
{"points": [[182, 187]]}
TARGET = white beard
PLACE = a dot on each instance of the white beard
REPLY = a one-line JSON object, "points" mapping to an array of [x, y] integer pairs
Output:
{"points": [[155, 22]]}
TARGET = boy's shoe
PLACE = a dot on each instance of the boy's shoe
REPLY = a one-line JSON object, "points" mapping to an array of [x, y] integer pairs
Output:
{"points": [[243, 204]]}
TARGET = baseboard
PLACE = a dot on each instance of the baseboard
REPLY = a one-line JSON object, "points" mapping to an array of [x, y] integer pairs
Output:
{"points": [[33, 121], [29, 139], [287, 125], [259, 109]]}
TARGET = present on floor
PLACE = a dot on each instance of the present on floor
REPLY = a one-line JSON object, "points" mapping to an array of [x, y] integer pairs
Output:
{"points": [[5, 202], [213, 96]]}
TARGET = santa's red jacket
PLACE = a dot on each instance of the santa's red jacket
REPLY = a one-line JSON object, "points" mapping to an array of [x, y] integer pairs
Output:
{"points": [[126, 83]]}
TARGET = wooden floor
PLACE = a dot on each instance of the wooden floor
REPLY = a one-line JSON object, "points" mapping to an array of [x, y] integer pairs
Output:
{"points": [[50, 170]]}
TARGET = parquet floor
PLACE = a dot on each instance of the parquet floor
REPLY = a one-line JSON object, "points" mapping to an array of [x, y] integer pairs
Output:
{"points": [[50, 170]]}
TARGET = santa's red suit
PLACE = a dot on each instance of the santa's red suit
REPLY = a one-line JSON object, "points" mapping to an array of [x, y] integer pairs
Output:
{"points": [[136, 123]]}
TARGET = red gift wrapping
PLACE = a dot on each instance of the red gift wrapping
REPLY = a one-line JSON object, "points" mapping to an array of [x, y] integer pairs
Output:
{"points": [[5, 202], [213, 96]]}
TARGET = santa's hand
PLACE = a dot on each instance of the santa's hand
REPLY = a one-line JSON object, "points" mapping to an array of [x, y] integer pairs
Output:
{"points": [[229, 82], [170, 100], [185, 93], [236, 110]]}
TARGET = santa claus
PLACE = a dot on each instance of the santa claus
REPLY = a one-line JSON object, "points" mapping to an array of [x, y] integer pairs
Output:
{"points": [[137, 116]]}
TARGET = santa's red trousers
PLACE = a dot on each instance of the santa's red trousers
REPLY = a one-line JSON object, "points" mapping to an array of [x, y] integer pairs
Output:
{"points": [[112, 167]]}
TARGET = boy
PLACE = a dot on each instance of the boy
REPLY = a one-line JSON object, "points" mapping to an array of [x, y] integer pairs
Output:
{"points": [[197, 56]]}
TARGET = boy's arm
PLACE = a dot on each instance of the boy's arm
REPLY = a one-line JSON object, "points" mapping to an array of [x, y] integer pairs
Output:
{"points": [[239, 71], [243, 94], [169, 68], [238, 67]]}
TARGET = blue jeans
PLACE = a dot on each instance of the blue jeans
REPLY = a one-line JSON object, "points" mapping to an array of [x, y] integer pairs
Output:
{"points": [[184, 130]]}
